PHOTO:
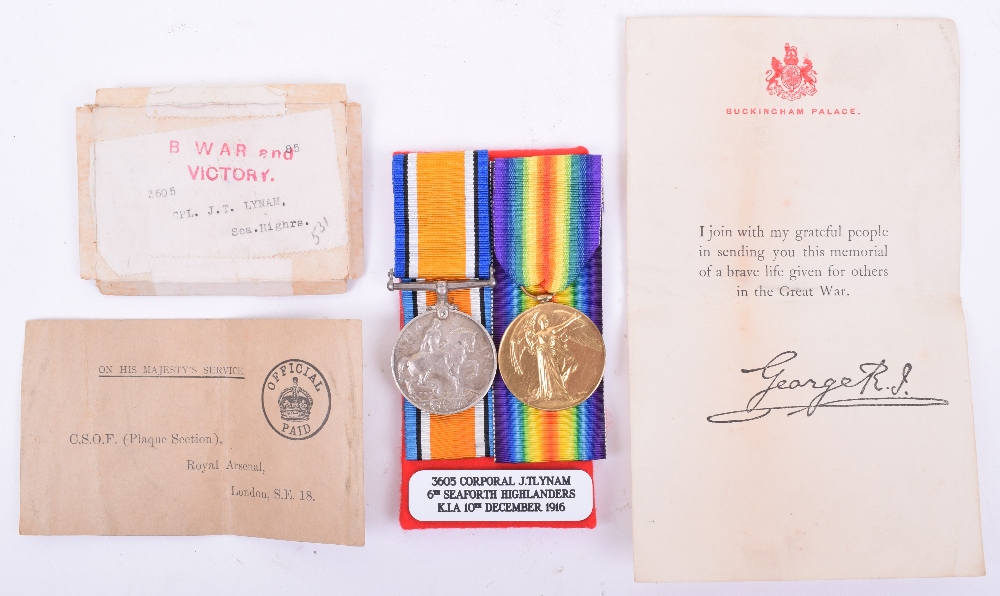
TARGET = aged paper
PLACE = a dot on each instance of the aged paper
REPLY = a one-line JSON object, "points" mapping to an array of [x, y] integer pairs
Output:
{"points": [[251, 189], [268, 200], [249, 427], [799, 379]]}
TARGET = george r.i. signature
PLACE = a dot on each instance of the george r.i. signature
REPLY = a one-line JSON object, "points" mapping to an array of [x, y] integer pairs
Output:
{"points": [[773, 372]]}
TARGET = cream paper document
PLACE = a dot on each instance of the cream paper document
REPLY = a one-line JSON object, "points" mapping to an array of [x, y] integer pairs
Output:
{"points": [[799, 377]]}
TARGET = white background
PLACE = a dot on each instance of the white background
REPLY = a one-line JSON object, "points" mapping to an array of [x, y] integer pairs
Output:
{"points": [[430, 76]]}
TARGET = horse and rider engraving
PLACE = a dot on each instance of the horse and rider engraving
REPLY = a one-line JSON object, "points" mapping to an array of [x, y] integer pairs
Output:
{"points": [[436, 370]]}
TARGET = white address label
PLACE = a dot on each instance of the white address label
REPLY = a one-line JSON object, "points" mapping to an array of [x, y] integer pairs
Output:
{"points": [[248, 189], [501, 495]]}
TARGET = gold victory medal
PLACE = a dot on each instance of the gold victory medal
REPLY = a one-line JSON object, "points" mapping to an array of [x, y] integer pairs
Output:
{"points": [[552, 356]]}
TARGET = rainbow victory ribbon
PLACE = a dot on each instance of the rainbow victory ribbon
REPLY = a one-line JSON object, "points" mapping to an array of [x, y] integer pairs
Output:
{"points": [[547, 240]]}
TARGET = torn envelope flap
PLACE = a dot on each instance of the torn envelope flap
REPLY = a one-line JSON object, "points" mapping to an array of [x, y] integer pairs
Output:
{"points": [[249, 189], [248, 427], [215, 102]]}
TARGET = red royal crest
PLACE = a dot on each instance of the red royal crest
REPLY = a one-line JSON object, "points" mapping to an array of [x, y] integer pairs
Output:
{"points": [[789, 80]]}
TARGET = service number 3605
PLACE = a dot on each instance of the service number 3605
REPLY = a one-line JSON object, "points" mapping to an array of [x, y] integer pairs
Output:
{"points": [[158, 193]]}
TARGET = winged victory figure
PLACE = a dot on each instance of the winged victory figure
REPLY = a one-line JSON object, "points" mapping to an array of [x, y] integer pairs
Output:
{"points": [[551, 349]]}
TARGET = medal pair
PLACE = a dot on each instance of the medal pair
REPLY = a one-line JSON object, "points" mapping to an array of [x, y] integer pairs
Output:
{"points": [[546, 213]]}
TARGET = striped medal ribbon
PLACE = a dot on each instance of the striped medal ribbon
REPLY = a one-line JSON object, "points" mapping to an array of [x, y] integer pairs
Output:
{"points": [[549, 403], [443, 233]]}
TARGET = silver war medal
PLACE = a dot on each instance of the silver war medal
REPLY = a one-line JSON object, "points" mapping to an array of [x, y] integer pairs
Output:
{"points": [[443, 361]]}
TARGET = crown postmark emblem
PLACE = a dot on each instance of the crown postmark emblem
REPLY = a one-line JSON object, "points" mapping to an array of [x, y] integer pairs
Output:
{"points": [[294, 403], [296, 399], [788, 79]]}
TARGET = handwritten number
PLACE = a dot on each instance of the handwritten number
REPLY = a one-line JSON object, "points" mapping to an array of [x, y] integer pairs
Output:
{"points": [[319, 228]]}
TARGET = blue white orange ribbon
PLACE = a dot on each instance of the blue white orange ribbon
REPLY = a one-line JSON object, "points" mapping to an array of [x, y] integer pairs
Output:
{"points": [[443, 232]]}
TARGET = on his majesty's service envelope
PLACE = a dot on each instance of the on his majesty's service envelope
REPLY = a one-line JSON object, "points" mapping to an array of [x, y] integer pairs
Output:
{"points": [[799, 373], [249, 427]]}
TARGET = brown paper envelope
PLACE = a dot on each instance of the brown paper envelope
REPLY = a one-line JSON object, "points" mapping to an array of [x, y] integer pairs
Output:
{"points": [[191, 427]]}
